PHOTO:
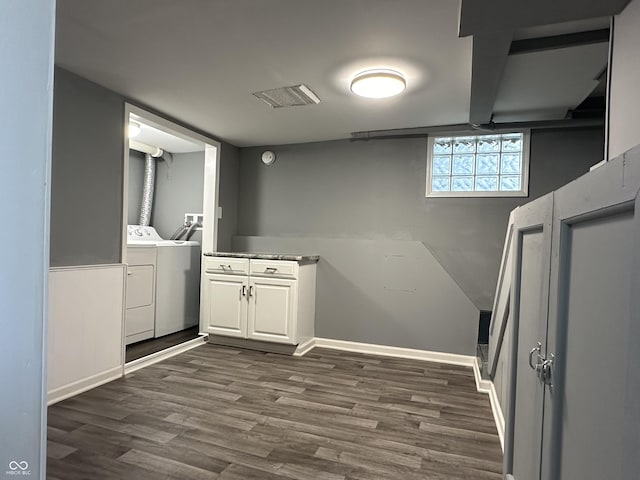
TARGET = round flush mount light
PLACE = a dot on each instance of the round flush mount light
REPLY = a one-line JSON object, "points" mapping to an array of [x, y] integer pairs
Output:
{"points": [[378, 83], [133, 129]]}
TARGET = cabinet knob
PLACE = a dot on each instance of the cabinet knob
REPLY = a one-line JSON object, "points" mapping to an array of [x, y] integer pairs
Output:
{"points": [[270, 270]]}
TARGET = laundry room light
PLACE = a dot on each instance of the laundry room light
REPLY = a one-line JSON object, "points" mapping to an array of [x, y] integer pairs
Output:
{"points": [[134, 129], [378, 83]]}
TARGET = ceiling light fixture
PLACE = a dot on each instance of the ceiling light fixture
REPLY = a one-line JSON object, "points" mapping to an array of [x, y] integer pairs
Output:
{"points": [[378, 83], [133, 129]]}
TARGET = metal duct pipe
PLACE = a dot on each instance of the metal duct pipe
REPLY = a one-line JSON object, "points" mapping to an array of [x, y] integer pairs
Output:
{"points": [[147, 189], [420, 132]]}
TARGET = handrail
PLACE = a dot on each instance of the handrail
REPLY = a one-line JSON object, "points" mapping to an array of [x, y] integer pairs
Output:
{"points": [[500, 316]]}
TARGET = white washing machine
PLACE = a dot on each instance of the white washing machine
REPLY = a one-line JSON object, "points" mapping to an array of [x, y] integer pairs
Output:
{"points": [[177, 279]]}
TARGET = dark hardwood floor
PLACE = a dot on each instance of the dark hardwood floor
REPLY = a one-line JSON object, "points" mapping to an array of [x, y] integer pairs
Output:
{"points": [[223, 413], [153, 345]]}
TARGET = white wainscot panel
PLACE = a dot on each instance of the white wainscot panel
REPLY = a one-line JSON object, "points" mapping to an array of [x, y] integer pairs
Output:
{"points": [[86, 306]]}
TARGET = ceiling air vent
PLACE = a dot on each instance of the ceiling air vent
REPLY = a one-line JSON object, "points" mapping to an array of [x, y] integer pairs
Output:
{"points": [[288, 96]]}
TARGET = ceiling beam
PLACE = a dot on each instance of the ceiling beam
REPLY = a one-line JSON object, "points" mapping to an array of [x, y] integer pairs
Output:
{"points": [[490, 52], [530, 45], [492, 25], [481, 16]]}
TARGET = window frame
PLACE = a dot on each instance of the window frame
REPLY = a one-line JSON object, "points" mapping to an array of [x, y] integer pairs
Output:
{"points": [[523, 192]]}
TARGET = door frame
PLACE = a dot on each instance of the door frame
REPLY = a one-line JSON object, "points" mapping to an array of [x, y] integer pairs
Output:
{"points": [[210, 207]]}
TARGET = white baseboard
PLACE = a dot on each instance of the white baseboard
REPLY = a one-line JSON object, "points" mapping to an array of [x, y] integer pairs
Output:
{"points": [[66, 391], [411, 353], [163, 355], [305, 347], [487, 386]]}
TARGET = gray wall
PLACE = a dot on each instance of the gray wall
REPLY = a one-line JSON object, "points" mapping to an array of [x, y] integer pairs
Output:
{"points": [[87, 178], [26, 62], [179, 190], [385, 292], [375, 190], [86, 192], [228, 195]]}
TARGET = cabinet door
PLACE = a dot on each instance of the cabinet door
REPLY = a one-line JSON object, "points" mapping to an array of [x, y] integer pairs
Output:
{"points": [[225, 307], [592, 409], [272, 303], [140, 314], [529, 303], [140, 286]]}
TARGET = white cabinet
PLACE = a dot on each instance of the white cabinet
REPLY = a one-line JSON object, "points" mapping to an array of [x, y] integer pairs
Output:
{"points": [[141, 286], [272, 309], [224, 305], [256, 299]]}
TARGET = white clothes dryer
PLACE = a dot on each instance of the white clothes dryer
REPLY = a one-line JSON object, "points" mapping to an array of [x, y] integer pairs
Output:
{"points": [[177, 279]]}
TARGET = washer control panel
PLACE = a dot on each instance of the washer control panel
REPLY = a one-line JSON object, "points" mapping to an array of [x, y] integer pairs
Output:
{"points": [[141, 233]]}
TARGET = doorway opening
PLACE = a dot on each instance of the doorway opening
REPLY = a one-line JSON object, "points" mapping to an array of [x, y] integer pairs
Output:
{"points": [[169, 202]]}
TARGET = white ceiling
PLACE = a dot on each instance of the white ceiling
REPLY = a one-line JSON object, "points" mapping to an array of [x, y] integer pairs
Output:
{"points": [[199, 61]]}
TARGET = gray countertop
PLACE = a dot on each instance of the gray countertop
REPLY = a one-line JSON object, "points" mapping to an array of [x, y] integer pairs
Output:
{"points": [[266, 256]]}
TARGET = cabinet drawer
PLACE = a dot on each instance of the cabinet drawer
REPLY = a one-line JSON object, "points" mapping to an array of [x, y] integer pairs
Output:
{"points": [[273, 268], [141, 255], [236, 266], [140, 286]]}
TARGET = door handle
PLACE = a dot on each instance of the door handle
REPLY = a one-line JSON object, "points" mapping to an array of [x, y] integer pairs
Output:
{"points": [[537, 348], [244, 290], [546, 370], [251, 290], [270, 270]]}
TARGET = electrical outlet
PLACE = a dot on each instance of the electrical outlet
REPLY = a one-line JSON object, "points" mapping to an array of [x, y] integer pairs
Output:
{"points": [[190, 218]]}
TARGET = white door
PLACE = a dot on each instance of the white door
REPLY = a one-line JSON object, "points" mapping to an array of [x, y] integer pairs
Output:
{"points": [[271, 310], [225, 306], [592, 421], [532, 230]]}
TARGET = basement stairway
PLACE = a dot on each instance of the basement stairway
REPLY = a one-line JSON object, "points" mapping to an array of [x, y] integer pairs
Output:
{"points": [[482, 349]]}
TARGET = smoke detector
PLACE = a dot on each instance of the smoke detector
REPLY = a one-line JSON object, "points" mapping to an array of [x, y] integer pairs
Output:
{"points": [[294, 96]]}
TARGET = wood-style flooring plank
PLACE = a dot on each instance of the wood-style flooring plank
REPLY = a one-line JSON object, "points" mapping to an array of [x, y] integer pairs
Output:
{"points": [[225, 413]]}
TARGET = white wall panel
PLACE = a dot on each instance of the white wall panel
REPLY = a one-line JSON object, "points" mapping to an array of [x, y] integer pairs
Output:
{"points": [[85, 328]]}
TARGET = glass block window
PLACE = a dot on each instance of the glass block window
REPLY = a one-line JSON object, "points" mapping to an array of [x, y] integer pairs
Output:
{"points": [[495, 165]]}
